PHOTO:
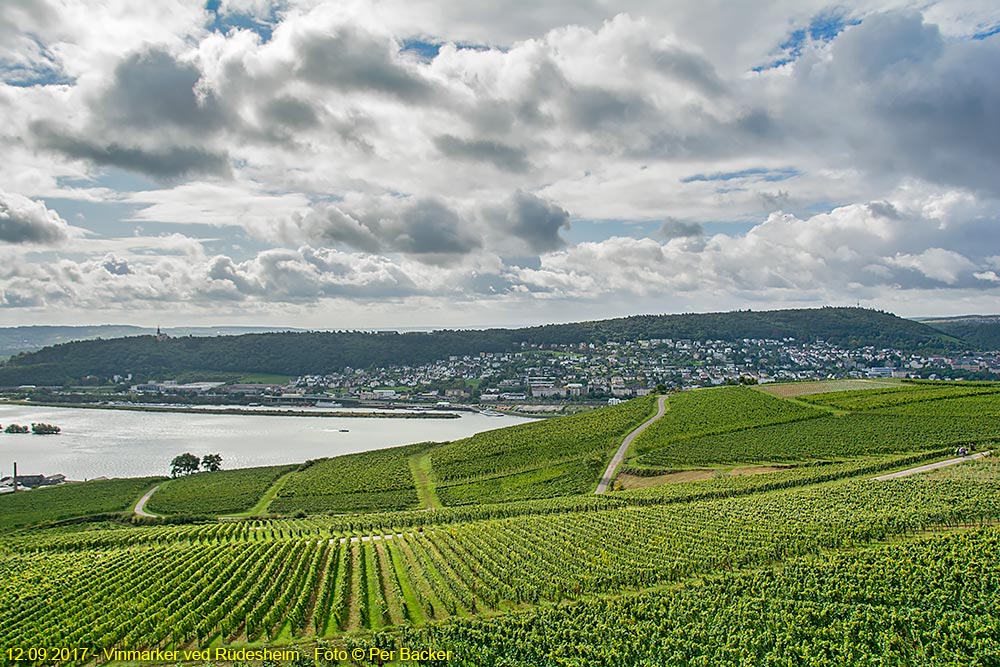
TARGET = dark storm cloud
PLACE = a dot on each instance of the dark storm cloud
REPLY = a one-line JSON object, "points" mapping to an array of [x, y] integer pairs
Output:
{"points": [[25, 221], [151, 89], [886, 41], [884, 209], [676, 229], [289, 112], [420, 226], [116, 266], [150, 118], [590, 107], [533, 221], [429, 226], [354, 60], [501, 156], [159, 162], [689, 67], [906, 101]]}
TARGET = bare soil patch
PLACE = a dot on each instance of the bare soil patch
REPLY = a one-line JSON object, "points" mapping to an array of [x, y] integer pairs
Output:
{"points": [[793, 389], [697, 475]]}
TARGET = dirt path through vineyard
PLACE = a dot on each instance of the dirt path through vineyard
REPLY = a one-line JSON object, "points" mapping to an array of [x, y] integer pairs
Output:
{"points": [[930, 466], [140, 507], [661, 409]]}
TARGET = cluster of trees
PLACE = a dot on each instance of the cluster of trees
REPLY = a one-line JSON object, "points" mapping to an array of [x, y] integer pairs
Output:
{"points": [[291, 353], [188, 463], [40, 428]]}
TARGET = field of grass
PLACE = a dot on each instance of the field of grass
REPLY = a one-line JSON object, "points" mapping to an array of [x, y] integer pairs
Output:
{"points": [[71, 501], [368, 481], [265, 378], [215, 493]]}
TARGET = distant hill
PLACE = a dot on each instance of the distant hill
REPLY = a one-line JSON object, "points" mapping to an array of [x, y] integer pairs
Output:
{"points": [[296, 353], [982, 332], [17, 340]]}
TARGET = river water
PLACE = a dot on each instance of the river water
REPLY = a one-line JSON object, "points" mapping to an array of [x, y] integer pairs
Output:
{"points": [[122, 443]]}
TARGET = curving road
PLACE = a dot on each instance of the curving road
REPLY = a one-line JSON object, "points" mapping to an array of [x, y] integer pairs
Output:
{"points": [[140, 507], [661, 408], [930, 466]]}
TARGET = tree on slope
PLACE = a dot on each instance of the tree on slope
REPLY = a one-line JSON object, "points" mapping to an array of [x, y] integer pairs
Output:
{"points": [[211, 462], [185, 464]]}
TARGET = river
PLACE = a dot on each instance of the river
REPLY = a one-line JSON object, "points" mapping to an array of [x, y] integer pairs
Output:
{"points": [[123, 443]]}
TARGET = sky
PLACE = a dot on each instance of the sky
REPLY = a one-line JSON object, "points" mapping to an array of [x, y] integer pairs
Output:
{"points": [[447, 163]]}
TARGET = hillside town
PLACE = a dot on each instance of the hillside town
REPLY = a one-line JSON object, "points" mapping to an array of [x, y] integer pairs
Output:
{"points": [[587, 371]]}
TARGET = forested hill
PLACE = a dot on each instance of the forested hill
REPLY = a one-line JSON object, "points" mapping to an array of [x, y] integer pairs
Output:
{"points": [[981, 332], [16, 340], [293, 353]]}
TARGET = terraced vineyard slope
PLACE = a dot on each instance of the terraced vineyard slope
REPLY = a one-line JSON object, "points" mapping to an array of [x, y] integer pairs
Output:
{"points": [[300, 579], [214, 493], [72, 501], [704, 428], [548, 458]]}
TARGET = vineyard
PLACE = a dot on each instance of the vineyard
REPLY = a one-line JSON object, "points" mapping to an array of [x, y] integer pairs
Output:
{"points": [[70, 501], [829, 437], [367, 481], [520, 563], [265, 582], [735, 425], [904, 604], [222, 492], [904, 394], [546, 458], [979, 405], [724, 410]]}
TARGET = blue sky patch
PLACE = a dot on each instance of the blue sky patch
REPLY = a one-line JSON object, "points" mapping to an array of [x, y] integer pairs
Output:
{"points": [[426, 50], [46, 73], [764, 174], [223, 23], [989, 32], [595, 231], [23, 77], [430, 50], [118, 180], [823, 28]]}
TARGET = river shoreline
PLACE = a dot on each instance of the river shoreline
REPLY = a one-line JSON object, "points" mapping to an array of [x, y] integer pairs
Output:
{"points": [[265, 412]]}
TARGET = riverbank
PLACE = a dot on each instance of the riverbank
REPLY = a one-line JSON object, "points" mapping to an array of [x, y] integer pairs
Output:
{"points": [[264, 412]]}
